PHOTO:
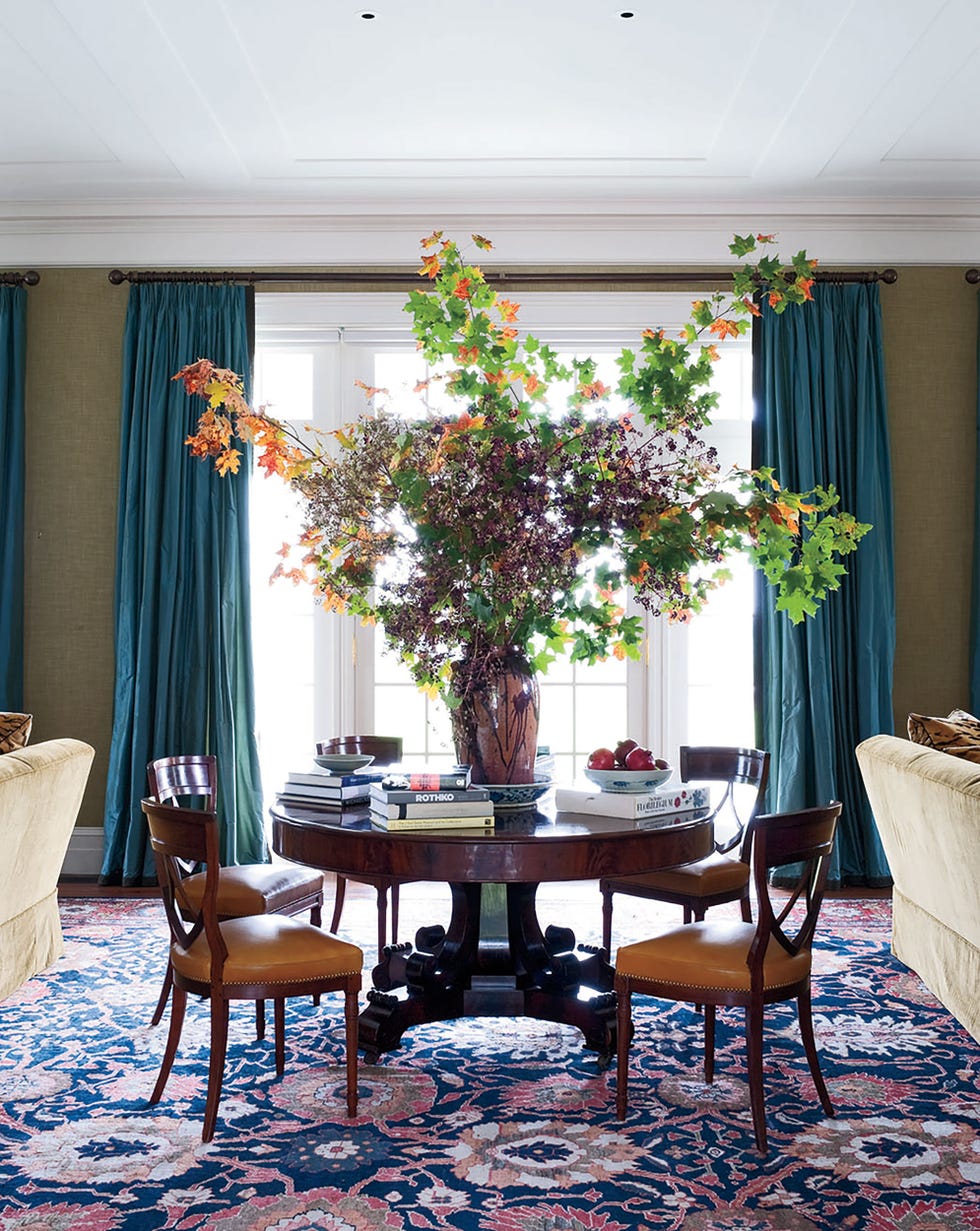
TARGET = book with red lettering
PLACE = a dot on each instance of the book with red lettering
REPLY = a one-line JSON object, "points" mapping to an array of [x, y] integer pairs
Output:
{"points": [[423, 779]]}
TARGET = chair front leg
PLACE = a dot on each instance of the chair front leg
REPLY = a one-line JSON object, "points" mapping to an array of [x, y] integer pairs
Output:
{"points": [[350, 1023], [216, 1068], [624, 1027], [709, 1043], [753, 1043], [394, 915], [279, 1021]]}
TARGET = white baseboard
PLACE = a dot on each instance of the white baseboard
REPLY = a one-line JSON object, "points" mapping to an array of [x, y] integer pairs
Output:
{"points": [[84, 857]]}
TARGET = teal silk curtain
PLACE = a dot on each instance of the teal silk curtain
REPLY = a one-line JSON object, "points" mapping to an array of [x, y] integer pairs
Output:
{"points": [[183, 639], [13, 318], [826, 684]]}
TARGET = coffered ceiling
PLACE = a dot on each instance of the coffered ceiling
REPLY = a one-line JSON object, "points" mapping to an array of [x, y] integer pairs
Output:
{"points": [[269, 114]]}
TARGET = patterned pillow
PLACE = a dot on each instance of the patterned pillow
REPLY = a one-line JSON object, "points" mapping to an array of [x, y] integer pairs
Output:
{"points": [[959, 734], [15, 731]]}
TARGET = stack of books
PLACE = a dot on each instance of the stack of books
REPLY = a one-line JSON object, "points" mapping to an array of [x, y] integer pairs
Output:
{"points": [[665, 802], [322, 791], [430, 799]]}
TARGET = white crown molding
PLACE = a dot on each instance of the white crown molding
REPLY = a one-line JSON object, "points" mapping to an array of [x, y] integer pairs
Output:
{"points": [[160, 235]]}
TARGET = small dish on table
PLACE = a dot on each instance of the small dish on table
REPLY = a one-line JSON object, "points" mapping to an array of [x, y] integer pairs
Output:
{"points": [[343, 762]]}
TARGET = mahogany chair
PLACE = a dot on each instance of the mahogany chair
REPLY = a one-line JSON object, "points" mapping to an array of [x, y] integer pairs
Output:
{"points": [[386, 750], [722, 876], [741, 963], [257, 957], [246, 889]]}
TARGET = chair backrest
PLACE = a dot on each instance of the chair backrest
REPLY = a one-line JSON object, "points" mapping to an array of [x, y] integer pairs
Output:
{"points": [[732, 766], [805, 840], [386, 749], [180, 837], [186, 777]]}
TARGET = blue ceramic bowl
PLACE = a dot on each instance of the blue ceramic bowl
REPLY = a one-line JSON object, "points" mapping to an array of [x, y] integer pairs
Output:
{"points": [[628, 781]]}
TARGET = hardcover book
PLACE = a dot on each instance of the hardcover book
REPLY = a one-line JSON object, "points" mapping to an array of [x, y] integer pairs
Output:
{"points": [[452, 808], [472, 794], [593, 802], [396, 824], [422, 779], [320, 777], [320, 803]]}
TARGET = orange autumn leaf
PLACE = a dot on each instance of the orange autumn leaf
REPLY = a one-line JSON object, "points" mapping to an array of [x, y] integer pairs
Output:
{"points": [[804, 285], [468, 354], [508, 333], [226, 461], [462, 289], [752, 306], [481, 241], [594, 391], [370, 391], [654, 335], [508, 310], [430, 266], [766, 239], [774, 298], [430, 241], [724, 328]]}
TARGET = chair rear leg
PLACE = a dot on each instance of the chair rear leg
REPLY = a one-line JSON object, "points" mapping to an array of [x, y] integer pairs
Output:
{"points": [[394, 916], [804, 1010], [624, 1026], [177, 1006], [260, 1019], [216, 1068], [350, 1022], [338, 902], [753, 1042], [316, 918], [168, 982]]}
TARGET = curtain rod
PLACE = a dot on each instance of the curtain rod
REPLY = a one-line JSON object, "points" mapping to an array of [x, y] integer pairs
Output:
{"points": [[639, 278], [30, 277]]}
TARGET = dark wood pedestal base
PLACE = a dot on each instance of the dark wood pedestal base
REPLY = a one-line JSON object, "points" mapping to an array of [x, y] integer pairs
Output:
{"points": [[494, 960]]}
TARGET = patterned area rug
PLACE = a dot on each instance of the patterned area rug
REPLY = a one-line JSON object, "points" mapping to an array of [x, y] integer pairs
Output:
{"points": [[492, 1124]]}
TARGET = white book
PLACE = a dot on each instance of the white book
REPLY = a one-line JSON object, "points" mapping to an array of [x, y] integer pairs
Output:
{"points": [[593, 802]]}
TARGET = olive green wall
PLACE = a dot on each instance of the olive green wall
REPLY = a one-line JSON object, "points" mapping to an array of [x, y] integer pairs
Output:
{"points": [[75, 327]]}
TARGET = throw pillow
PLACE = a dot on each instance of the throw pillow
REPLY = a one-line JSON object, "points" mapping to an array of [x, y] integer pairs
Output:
{"points": [[957, 734], [15, 731]]}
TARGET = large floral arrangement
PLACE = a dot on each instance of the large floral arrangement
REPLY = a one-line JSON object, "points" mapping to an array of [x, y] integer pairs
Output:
{"points": [[515, 523]]}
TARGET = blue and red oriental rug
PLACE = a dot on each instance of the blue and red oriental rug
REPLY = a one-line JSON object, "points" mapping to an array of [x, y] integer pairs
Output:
{"points": [[487, 1125]]}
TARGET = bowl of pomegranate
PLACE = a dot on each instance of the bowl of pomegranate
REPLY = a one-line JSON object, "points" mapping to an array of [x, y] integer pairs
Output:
{"points": [[629, 767]]}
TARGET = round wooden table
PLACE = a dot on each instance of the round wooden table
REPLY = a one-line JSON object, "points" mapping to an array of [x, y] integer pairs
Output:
{"points": [[493, 958]]}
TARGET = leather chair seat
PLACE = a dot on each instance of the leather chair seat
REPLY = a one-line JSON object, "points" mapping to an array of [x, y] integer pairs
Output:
{"points": [[704, 956], [714, 874], [270, 949], [256, 888]]}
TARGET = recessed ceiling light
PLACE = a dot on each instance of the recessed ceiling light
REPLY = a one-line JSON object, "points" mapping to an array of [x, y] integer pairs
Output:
{"points": [[626, 14], [367, 15]]}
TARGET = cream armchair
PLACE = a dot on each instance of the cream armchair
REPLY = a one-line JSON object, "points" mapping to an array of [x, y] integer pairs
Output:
{"points": [[41, 790]]}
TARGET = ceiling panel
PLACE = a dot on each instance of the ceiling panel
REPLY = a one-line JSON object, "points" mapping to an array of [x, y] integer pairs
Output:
{"points": [[556, 104]]}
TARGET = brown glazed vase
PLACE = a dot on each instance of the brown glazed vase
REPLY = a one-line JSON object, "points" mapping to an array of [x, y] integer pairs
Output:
{"points": [[495, 728]]}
